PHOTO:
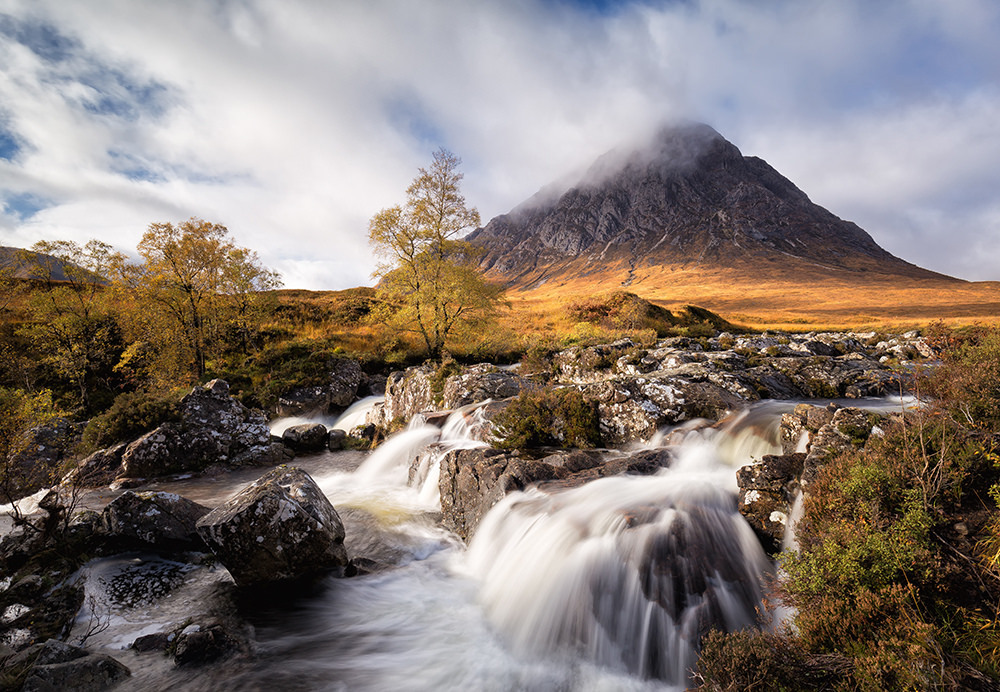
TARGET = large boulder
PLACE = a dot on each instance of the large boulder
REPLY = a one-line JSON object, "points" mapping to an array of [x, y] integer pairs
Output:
{"points": [[473, 480], [214, 429], [344, 380], [153, 520], [279, 528]]}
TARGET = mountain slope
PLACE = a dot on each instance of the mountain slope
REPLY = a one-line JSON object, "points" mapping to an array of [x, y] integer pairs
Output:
{"points": [[689, 199]]}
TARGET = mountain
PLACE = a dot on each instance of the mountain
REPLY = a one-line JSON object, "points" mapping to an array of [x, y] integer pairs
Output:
{"points": [[28, 264], [688, 199]]}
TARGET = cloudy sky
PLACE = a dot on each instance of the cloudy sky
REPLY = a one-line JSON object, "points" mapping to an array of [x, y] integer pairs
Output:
{"points": [[292, 122]]}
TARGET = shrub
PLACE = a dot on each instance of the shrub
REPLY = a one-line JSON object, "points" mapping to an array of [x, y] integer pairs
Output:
{"points": [[548, 418], [131, 415]]}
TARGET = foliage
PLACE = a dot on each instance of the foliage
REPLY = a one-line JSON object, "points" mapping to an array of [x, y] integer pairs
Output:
{"points": [[131, 415], [968, 378], [73, 323], [548, 418], [199, 294], [429, 282], [753, 660], [874, 578]]}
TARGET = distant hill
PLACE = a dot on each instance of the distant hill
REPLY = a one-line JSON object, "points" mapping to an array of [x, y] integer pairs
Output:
{"points": [[690, 200], [27, 264]]}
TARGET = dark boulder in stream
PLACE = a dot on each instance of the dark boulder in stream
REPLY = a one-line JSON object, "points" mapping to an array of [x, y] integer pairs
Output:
{"points": [[279, 528], [58, 667]]}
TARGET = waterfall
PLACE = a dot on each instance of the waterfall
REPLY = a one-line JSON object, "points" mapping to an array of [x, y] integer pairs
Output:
{"points": [[629, 572]]}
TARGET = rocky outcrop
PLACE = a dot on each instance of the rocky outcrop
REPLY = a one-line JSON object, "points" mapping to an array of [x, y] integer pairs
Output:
{"points": [[473, 480], [427, 388], [344, 380], [280, 528], [214, 428], [153, 521], [767, 494], [639, 390], [811, 436]]}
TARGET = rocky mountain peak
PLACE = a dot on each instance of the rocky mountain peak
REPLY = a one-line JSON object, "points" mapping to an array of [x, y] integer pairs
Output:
{"points": [[686, 197]]}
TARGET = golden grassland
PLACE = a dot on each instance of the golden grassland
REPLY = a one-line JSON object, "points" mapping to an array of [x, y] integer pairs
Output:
{"points": [[792, 300], [789, 301]]}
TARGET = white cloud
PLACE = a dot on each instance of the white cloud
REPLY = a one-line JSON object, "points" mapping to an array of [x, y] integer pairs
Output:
{"points": [[292, 122]]}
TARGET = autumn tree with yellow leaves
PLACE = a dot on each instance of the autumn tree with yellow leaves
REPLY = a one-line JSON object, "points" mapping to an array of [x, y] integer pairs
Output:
{"points": [[429, 282]]}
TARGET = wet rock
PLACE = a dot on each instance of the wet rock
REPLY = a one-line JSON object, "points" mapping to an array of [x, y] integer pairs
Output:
{"points": [[56, 666], [156, 520], [206, 642], [767, 491], [280, 528], [849, 428], [473, 480], [336, 440], [344, 379], [214, 429], [305, 438]]}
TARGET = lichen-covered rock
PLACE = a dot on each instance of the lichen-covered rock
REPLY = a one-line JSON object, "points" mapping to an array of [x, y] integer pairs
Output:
{"points": [[147, 520], [406, 393], [344, 379], [473, 480], [279, 528], [60, 667], [305, 438], [214, 429], [767, 492], [479, 383], [849, 428]]}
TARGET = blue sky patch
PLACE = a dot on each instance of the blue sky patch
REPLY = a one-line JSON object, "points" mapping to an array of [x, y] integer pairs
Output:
{"points": [[9, 146], [43, 39], [24, 205]]}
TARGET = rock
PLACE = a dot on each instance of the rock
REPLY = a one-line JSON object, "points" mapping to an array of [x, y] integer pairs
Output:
{"points": [[473, 480], [206, 642], [336, 440], [344, 379], [767, 493], [407, 393], [849, 428], [154, 520], [60, 667], [305, 438], [100, 468], [280, 528], [214, 429], [37, 465], [479, 383]]}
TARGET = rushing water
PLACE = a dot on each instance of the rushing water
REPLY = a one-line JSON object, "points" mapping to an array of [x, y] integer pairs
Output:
{"points": [[607, 586]]}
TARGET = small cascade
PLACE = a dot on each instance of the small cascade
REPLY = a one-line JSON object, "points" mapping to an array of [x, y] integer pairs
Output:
{"points": [[356, 414], [629, 572]]}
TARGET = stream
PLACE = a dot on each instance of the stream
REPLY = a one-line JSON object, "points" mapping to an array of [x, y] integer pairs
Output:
{"points": [[603, 587]]}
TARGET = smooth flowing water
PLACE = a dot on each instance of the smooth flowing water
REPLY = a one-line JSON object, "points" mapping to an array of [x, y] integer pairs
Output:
{"points": [[607, 586]]}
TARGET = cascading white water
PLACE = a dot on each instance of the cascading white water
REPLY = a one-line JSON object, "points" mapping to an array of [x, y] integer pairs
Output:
{"points": [[628, 572], [606, 586]]}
